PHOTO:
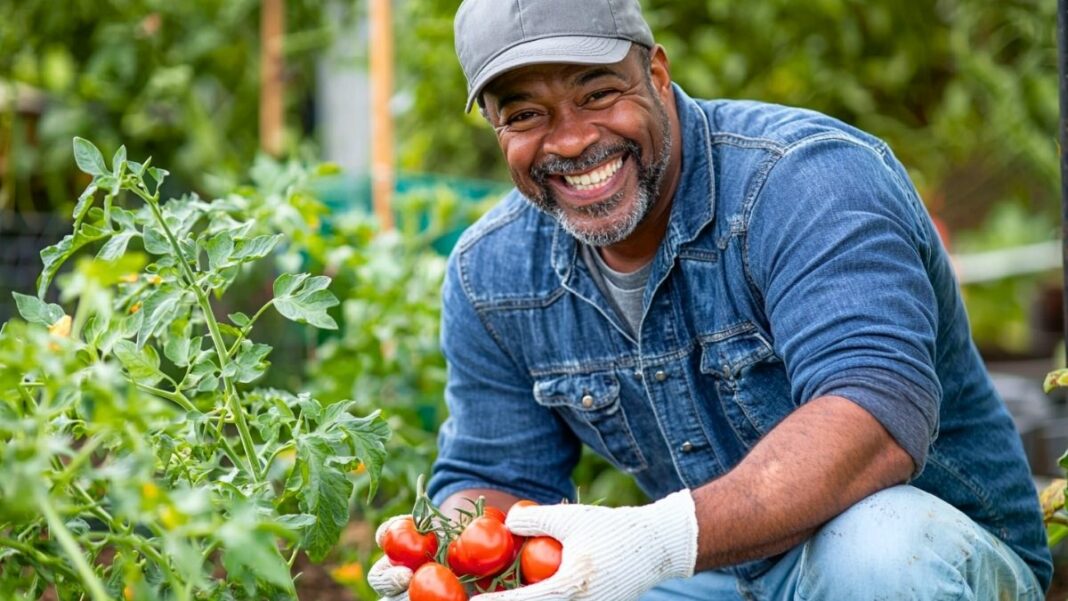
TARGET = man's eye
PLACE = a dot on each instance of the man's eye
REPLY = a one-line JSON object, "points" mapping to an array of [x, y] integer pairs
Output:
{"points": [[601, 97], [519, 117]]}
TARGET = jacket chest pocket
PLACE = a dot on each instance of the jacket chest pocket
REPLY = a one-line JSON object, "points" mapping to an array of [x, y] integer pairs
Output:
{"points": [[750, 380], [590, 404]]}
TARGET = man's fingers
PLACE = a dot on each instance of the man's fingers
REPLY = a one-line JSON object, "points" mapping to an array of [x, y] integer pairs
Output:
{"points": [[389, 580]]}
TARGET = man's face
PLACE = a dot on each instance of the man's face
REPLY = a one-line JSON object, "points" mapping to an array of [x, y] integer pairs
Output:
{"points": [[588, 144]]}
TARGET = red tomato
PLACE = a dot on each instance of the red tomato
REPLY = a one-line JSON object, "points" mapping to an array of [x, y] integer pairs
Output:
{"points": [[484, 548], [540, 558], [434, 582], [493, 512], [406, 546]]}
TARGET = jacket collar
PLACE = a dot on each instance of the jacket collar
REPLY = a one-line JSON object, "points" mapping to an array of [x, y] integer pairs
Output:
{"points": [[693, 205]]}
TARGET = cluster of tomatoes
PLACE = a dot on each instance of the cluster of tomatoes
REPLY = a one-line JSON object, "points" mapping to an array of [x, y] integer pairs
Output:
{"points": [[476, 553]]}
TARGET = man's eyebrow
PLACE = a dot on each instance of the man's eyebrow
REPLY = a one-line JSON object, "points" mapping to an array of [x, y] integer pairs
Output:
{"points": [[511, 98], [586, 77]]}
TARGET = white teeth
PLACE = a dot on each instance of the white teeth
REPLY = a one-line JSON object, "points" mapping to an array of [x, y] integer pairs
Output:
{"points": [[595, 178]]}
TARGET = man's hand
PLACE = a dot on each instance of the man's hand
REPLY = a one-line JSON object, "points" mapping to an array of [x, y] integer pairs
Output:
{"points": [[615, 554], [389, 581]]}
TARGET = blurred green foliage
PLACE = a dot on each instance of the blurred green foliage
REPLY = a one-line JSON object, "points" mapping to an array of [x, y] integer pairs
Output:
{"points": [[964, 91], [178, 81]]}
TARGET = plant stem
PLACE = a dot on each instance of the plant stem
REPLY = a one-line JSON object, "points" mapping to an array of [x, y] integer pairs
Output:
{"points": [[175, 397], [74, 552], [248, 326], [37, 555], [216, 336]]}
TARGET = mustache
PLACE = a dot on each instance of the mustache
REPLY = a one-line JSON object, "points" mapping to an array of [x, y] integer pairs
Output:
{"points": [[589, 159]]}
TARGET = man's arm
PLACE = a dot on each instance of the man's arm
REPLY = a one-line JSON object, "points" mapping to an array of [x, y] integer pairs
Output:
{"points": [[462, 500], [823, 458]]}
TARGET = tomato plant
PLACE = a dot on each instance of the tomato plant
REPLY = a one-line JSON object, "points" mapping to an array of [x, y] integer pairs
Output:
{"points": [[137, 459], [539, 558], [407, 546], [435, 582]]}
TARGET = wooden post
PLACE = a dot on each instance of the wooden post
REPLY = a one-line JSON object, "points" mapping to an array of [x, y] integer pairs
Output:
{"points": [[1062, 64], [272, 87], [381, 117]]}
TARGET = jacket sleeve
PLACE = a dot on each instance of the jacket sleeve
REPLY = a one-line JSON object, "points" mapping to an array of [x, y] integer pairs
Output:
{"points": [[839, 249], [496, 436]]}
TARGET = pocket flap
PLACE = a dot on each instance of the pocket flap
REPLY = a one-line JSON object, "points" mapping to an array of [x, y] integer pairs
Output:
{"points": [[728, 354], [582, 392]]}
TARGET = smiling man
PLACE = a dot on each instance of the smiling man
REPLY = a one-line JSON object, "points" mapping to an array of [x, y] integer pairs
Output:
{"points": [[745, 307]]}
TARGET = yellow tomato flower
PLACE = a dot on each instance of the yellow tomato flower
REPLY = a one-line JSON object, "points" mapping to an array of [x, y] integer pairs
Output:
{"points": [[61, 328], [348, 573]]}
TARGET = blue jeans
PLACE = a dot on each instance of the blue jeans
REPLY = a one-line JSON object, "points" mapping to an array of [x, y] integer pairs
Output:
{"points": [[901, 543]]}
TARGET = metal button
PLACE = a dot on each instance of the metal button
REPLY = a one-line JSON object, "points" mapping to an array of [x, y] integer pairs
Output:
{"points": [[660, 375], [687, 447], [587, 401]]}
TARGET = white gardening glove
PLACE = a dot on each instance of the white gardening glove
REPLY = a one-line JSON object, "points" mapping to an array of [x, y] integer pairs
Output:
{"points": [[389, 581], [609, 554]]}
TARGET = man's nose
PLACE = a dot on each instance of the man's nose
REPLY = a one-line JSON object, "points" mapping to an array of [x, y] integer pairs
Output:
{"points": [[570, 134]]}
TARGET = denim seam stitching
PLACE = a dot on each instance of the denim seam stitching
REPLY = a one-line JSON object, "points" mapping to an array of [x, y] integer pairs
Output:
{"points": [[753, 199], [484, 319]]}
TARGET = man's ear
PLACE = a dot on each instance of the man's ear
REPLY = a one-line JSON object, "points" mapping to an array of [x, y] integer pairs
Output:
{"points": [[660, 70]]}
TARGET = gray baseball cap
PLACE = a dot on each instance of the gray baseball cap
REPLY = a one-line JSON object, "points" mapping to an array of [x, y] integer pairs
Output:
{"points": [[494, 36]]}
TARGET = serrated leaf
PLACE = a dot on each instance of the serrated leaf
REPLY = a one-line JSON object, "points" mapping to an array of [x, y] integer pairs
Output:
{"points": [[288, 282], [178, 345], [118, 162], [304, 299], [54, 256], [256, 248], [296, 521], [219, 249], [160, 309], [159, 175], [116, 246], [141, 364], [324, 492], [366, 437], [239, 319], [85, 201], [155, 242], [249, 363], [89, 158], [250, 552], [35, 310]]}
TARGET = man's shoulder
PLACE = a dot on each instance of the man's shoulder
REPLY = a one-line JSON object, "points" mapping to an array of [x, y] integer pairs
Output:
{"points": [[506, 252], [775, 127]]}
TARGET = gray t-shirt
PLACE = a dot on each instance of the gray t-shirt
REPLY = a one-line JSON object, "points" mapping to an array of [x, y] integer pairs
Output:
{"points": [[625, 290]]}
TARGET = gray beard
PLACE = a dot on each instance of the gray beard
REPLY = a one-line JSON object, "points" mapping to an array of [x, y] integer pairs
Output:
{"points": [[649, 180]]}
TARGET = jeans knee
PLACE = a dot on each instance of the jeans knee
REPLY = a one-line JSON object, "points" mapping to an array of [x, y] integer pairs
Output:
{"points": [[900, 543]]}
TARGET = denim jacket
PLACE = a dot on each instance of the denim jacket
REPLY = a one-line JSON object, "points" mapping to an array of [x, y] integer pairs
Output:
{"points": [[799, 262]]}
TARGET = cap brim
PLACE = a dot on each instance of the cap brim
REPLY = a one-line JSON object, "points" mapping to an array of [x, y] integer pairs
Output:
{"points": [[579, 50]]}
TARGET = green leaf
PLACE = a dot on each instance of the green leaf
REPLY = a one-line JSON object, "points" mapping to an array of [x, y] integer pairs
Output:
{"points": [[85, 201], [256, 248], [159, 175], [239, 319], [250, 552], [219, 249], [54, 256], [35, 310], [155, 242], [249, 364], [88, 157], [305, 299], [288, 282], [323, 491], [116, 247], [118, 162], [366, 437], [1063, 461], [160, 309], [141, 364]]}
